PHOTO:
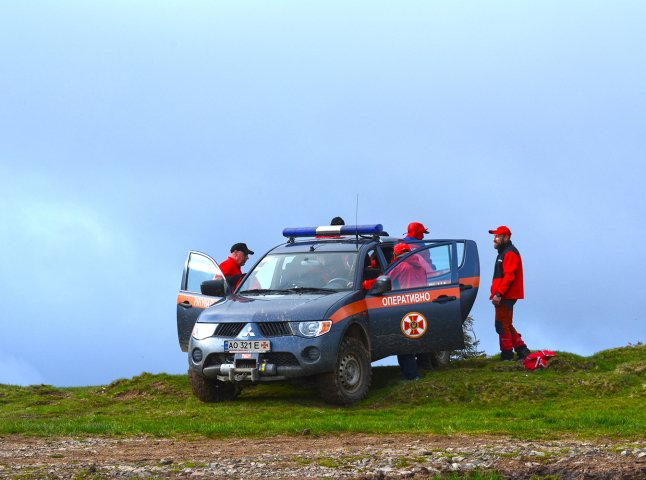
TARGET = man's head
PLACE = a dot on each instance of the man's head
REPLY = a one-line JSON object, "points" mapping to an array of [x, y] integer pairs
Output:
{"points": [[240, 253], [416, 230], [400, 249], [501, 236], [337, 221]]}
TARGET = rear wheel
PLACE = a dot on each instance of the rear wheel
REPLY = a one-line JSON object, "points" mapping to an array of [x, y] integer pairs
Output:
{"points": [[350, 380], [211, 390], [440, 358]]}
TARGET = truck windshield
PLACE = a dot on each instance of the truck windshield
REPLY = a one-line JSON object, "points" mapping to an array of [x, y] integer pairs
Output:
{"points": [[302, 272]]}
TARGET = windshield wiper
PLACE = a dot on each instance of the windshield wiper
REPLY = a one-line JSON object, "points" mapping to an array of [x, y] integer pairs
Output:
{"points": [[261, 291], [270, 291], [311, 290]]}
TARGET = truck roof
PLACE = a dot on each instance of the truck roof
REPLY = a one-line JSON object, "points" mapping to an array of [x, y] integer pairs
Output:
{"points": [[323, 244]]}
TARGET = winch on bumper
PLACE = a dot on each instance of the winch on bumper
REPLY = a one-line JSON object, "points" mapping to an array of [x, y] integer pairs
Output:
{"points": [[242, 370], [290, 356]]}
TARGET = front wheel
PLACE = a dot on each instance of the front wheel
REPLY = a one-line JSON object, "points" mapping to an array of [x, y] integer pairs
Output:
{"points": [[440, 358], [211, 390], [350, 380]]}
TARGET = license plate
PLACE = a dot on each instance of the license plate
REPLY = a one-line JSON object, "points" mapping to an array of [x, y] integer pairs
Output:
{"points": [[247, 346]]}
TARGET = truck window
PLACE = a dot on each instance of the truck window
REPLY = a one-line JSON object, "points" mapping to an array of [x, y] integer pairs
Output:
{"points": [[424, 267], [200, 269]]}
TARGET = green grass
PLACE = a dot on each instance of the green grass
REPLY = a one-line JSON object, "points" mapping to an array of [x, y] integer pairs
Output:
{"points": [[601, 395]]}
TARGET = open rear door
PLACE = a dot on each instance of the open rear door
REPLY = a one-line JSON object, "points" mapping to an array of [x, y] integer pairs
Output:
{"points": [[191, 302], [469, 275]]}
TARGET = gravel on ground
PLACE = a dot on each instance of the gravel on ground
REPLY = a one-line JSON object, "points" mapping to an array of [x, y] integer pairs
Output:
{"points": [[344, 456]]}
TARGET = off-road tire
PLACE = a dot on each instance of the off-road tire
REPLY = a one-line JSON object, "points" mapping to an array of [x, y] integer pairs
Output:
{"points": [[210, 390], [440, 358], [350, 380]]}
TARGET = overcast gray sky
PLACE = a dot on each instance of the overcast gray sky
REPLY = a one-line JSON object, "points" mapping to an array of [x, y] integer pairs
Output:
{"points": [[131, 133]]}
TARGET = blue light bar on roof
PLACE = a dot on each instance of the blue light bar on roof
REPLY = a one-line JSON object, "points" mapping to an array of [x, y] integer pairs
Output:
{"points": [[335, 230]]}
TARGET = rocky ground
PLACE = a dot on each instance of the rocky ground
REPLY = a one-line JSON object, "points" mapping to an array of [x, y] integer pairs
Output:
{"points": [[348, 456]]}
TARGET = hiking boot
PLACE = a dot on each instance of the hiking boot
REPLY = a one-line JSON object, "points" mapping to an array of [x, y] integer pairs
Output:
{"points": [[507, 355], [522, 352]]}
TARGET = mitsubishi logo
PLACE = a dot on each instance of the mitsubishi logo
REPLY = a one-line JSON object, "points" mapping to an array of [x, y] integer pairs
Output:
{"points": [[248, 333]]}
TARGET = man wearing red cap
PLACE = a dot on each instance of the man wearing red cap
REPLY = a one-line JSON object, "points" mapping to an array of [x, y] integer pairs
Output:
{"points": [[506, 289], [416, 231]]}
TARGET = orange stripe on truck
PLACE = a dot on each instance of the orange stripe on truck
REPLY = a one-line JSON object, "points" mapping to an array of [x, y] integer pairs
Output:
{"points": [[390, 301], [473, 281], [195, 301]]}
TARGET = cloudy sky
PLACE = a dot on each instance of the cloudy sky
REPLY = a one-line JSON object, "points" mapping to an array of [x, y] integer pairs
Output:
{"points": [[131, 132]]}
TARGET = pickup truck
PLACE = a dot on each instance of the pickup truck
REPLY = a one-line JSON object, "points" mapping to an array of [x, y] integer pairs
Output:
{"points": [[323, 306]]}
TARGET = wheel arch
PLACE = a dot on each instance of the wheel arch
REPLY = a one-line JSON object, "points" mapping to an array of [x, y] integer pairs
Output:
{"points": [[356, 329]]}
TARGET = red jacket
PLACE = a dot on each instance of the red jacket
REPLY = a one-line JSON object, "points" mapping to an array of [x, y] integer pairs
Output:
{"points": [[410, 273], [230, 267], [508, 274]]}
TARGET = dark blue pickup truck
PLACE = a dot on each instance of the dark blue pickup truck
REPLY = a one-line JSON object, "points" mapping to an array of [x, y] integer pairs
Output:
{"points": [[323, 306]]}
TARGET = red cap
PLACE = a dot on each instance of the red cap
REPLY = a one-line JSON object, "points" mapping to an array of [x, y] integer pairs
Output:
{"points": [[401, 248], [501, 230], [416, 229]]}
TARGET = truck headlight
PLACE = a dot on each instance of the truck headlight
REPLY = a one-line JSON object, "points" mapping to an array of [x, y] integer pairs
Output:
{"points": [[314, 329], [203, 330]]}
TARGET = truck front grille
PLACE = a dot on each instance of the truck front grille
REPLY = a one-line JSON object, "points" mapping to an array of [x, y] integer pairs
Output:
{"points": [[275, 329], [228, 329]]}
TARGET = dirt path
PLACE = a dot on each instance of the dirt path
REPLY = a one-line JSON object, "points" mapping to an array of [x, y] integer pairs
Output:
{"points": [[343, 456]]}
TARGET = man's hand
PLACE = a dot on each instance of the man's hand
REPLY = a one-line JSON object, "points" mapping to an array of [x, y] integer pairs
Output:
{"points": [[496, 299]]}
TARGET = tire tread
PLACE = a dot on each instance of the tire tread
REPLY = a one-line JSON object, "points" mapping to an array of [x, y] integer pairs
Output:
{"points": [[330, 389], [211, 391]]}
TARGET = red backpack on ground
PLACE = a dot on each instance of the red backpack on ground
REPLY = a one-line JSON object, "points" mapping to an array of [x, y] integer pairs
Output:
{"points": [[537, 360]]}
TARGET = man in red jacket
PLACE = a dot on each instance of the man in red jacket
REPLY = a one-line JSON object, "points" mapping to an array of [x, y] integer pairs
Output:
{"points": [[231, 266], [506, 289]]}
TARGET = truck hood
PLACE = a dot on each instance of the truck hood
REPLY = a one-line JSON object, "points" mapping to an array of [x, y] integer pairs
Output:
{"points": [[272, 308]]}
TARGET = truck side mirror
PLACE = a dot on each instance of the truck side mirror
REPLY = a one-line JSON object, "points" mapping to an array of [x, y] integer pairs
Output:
{"points": [[381, 285], [213, 288]]}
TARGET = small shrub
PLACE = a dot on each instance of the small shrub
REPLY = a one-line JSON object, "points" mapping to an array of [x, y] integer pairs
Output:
{"points": [[471, 343]]}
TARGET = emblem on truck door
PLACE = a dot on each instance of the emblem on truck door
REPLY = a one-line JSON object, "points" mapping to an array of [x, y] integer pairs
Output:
{"points": [[414, 325]]}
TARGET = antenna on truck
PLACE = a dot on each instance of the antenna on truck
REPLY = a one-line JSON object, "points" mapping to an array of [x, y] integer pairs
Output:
{"points": [[356, 221]]}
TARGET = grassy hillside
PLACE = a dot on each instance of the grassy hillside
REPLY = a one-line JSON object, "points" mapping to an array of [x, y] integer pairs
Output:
{"points": [[601, 395]]}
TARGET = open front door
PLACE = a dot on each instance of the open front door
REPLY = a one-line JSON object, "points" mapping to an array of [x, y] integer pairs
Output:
{"points": [[422, 311], [191, 302]]}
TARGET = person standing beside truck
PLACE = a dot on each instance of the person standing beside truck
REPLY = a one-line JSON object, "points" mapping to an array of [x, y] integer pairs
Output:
{"points": [[416, 231], [408, 274], [231, 266], [506, 289]]}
